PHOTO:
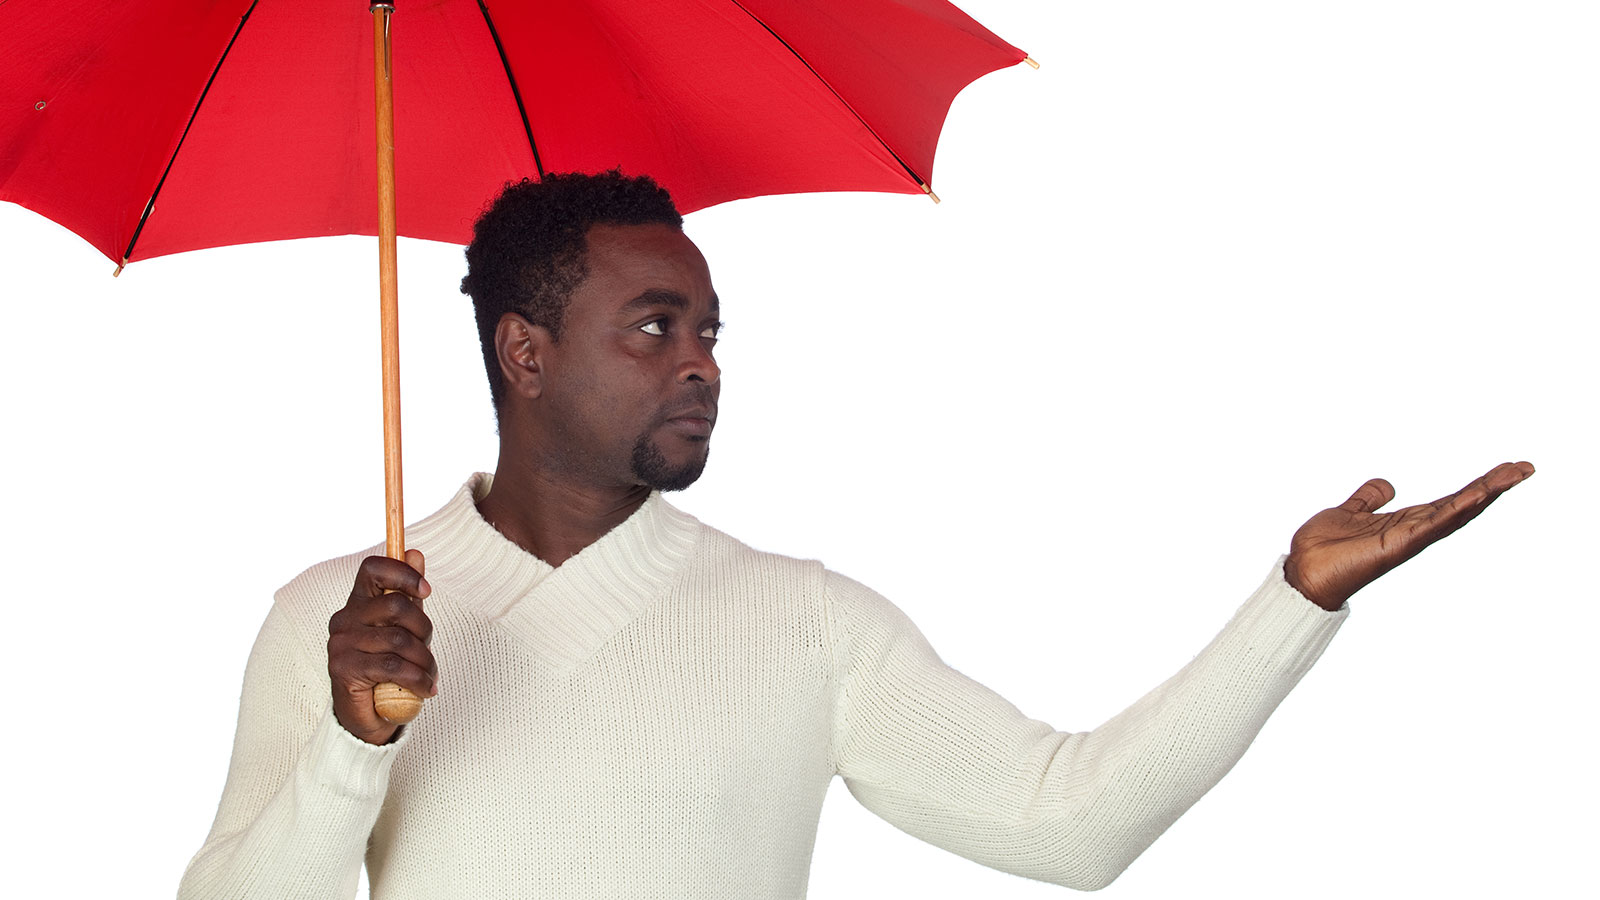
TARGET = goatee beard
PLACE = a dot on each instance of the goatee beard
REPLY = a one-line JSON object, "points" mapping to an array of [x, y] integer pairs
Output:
{"points": [[650, 466]]}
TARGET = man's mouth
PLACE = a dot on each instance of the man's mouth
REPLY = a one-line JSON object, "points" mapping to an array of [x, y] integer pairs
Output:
{"points": [[694, 421]]}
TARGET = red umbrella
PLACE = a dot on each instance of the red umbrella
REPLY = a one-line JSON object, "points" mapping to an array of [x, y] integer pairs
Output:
{"points": [[169, 125], [247, 121]]}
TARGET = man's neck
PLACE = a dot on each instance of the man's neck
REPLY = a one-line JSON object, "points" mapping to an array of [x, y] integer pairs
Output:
{"points": [[552, 518]]}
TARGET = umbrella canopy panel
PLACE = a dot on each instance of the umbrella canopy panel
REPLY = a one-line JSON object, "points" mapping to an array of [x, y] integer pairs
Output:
{"points": [[252, 121]]}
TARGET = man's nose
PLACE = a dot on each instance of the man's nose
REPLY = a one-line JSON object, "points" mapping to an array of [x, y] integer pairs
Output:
{"points": [[698, 364]]}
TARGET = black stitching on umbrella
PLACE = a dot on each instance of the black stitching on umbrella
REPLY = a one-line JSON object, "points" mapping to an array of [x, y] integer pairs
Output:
{"points": [[516, 94]]}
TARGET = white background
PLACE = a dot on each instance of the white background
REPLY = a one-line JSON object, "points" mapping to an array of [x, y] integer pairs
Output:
{"points": [[1198, 277]]}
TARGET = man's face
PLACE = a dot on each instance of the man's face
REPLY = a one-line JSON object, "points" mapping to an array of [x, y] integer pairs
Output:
{"points": [[632, 386]]}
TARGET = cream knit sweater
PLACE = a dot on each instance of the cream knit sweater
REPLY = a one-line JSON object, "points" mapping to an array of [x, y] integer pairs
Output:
{"points": [[660, 717]]}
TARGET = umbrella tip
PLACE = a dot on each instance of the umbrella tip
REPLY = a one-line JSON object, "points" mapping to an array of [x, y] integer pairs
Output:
{"points": [[929, 191], [119, 267], [1029, 61]]}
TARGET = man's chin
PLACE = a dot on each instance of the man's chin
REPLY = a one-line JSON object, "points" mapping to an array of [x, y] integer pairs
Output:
{"points": [[655, 471]]}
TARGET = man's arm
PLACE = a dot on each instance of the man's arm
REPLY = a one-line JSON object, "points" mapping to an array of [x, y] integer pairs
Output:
{"points": [[311, 758], [302, 793], [944, 758], [947, 760]]}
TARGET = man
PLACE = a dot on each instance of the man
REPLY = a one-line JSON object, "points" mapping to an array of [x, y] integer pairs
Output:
{"points": [[634, 704]]}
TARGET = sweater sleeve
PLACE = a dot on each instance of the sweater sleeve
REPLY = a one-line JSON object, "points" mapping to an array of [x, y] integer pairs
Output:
{"points": [[302, 793], [949, 761]]}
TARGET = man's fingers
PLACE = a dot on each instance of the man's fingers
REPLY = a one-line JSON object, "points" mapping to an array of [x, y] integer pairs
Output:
{"points": [[1480, 492], [361, 658], [393, 609], [1444, 516], [1507, 474], [358, 674], [380, 573], [396, 641], [1370, 496]]}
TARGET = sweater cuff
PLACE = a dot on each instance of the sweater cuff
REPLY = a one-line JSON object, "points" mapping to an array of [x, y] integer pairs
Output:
{"points": [[1279, 621], [1276, 581], [346, 765]]}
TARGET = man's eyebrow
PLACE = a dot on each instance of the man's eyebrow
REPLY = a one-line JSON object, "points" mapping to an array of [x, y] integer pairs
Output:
{"points": [[664, 297], [656, 297]]}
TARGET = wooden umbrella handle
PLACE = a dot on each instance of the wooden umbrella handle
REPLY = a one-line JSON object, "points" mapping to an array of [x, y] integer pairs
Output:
{"points": [[391, 701], [395, 703]]}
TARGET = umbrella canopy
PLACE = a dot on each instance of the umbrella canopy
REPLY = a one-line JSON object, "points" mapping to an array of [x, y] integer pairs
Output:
{"points": [[157, 127]]}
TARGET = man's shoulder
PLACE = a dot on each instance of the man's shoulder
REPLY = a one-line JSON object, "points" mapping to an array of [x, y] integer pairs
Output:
{"points": [[298, 618], [716, 543], [718, 551], [849, 609], [718, 547], [322, 589]]}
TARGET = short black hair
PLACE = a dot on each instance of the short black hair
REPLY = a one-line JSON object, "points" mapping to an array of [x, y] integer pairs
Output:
{"points": [[529, 250]]}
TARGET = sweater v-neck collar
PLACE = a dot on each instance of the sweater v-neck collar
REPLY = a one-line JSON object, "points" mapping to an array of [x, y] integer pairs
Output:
{"points": [[564, 613]]}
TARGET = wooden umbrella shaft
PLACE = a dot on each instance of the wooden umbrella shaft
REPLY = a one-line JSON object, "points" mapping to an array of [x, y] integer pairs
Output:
{"points": [[388, 286], [392, 701]]}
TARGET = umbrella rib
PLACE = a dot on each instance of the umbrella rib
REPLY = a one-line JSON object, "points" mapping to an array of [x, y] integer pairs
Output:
{"points": [[151, 206], [909, 171], [515, 93]]}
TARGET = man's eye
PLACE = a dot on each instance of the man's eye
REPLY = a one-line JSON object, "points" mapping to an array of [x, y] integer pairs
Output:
{"points": [[712, 332], [657, 327]]}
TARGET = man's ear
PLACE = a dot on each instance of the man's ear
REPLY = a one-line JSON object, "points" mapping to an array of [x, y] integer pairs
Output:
{"points": [[521, 347]]}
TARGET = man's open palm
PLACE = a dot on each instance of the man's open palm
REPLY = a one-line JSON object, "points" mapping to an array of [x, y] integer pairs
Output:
{"points": [[1343, 549]]}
